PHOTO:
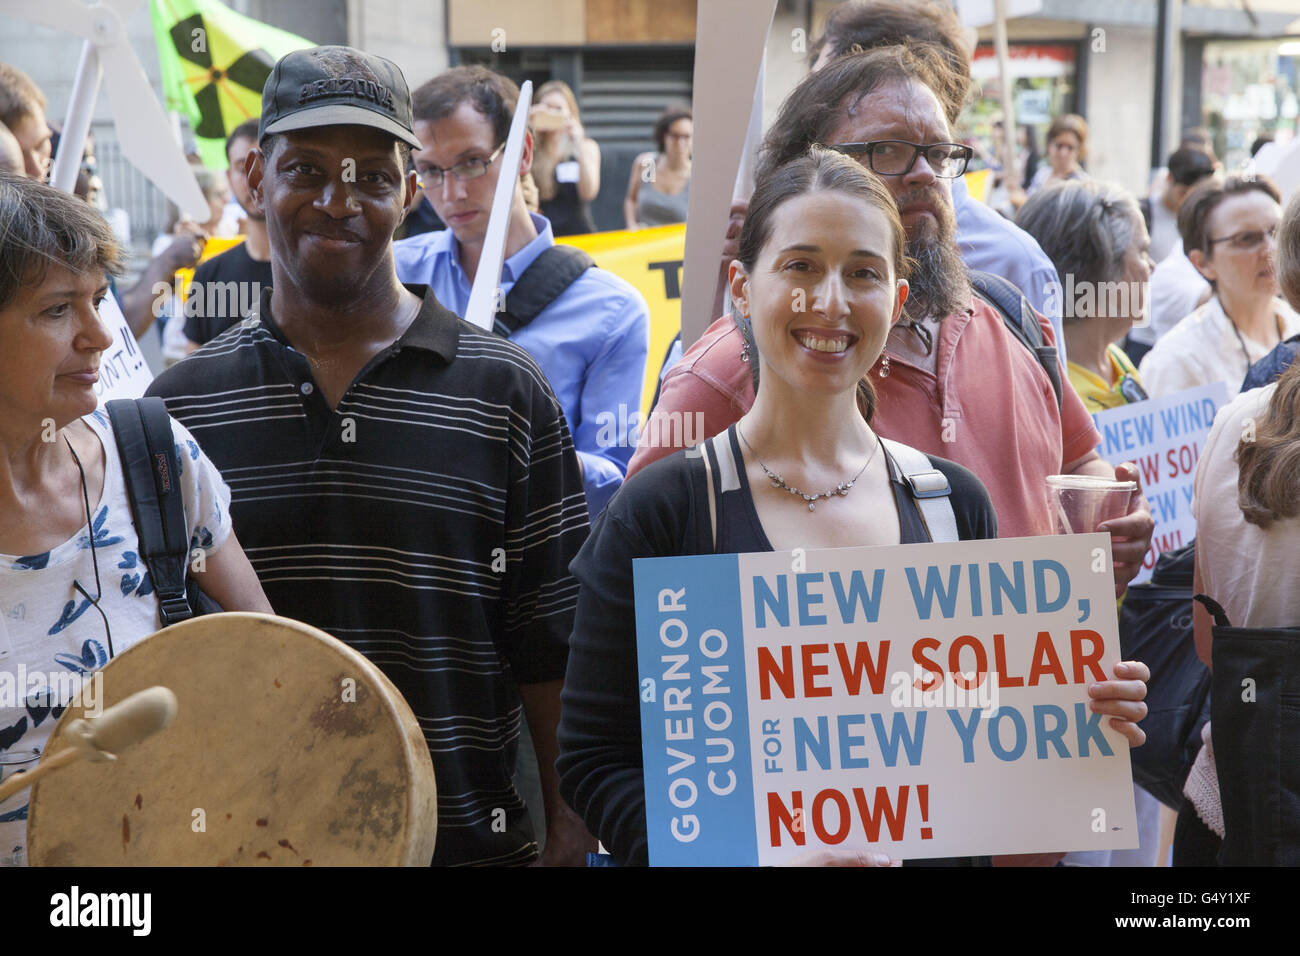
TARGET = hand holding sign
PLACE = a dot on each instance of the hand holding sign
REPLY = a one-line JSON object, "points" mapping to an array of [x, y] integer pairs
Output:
{"points": [[1121, 698]]}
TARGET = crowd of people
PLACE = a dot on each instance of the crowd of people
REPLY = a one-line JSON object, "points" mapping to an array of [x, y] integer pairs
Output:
{"points": [[443, 498]]}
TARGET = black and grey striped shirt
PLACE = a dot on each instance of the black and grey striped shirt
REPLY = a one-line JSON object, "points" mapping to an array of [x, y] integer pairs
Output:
{"points": [[428, 521]]}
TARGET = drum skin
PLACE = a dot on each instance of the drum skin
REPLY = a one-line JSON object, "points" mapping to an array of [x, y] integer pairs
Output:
{"points": [[288, 748]]}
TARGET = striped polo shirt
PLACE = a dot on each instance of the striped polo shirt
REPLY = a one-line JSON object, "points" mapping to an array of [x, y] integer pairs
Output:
{"points": [[428, 522]]}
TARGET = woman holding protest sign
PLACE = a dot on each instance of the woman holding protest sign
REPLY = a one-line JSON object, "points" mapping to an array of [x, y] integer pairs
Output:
{"points": [[74, 587], [821, 278]]}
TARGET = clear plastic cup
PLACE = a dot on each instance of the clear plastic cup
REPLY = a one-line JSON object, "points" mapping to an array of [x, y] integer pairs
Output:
{"points": [[1081, 502]]}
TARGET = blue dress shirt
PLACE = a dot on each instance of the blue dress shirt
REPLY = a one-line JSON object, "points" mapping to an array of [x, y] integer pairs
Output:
{"points": [[591, 344], [991, 243]]}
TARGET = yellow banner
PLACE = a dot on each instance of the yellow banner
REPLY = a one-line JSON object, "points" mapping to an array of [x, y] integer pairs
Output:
{"points": [[979, 184], [214, 246], [650, 260]]}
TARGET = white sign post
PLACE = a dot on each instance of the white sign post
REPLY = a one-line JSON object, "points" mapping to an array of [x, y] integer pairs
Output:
{"points": [[730, 36], [483, 297]]}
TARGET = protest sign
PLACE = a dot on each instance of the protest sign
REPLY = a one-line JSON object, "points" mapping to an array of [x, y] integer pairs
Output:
{"points": [[917, 700], [1164, 437], [123, 372]]}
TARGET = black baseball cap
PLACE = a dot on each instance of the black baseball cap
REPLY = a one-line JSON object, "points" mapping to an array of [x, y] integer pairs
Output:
{"points": [[336, 86]]}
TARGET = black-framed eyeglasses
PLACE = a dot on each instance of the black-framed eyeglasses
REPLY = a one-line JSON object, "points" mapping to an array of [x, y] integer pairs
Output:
{"points": [[1247, 241], [466, 169], [896, 157]]}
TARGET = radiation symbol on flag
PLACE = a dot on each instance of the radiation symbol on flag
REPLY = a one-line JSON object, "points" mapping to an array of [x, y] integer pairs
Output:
{"points": [[225, 77]]}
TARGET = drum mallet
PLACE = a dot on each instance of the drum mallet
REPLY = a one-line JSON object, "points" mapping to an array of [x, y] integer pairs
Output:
{"points": [[101, 738]]}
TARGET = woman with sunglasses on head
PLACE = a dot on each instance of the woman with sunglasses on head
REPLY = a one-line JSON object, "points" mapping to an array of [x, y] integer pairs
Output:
{"points": [[1094, 234], [821, 278], [73, 588], [566, 162], [1229, 232]]}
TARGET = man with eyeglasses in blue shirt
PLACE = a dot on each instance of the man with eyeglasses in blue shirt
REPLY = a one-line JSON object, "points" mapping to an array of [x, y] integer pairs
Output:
{"points": [[592, 339]]}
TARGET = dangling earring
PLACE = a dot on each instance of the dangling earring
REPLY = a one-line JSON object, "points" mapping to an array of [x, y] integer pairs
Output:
{"points": [[744, 351], [884, 366]]}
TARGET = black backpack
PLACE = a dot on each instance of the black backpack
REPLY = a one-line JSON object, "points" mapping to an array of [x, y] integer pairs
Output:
{"points": [[1155, 627], [546, 277], [143, 431], [1019, 318]]}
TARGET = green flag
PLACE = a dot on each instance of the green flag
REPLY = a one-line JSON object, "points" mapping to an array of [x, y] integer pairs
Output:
{"points": [[214, 64]]}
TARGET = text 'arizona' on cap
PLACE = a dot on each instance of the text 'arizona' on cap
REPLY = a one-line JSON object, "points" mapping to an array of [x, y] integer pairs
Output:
{"points": [[336, 86]]}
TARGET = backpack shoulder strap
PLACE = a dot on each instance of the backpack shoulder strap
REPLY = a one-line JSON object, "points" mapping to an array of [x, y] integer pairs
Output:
{"points": [[142, 429], [929, 487], [1019, 318], [557, 268]]}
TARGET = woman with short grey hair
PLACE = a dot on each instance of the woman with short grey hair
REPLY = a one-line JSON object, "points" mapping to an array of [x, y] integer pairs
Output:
{"points": [[74, 587], [1095, 236]]}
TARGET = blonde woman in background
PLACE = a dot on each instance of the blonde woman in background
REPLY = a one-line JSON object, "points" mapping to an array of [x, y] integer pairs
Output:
{"points": [[566, 163]]}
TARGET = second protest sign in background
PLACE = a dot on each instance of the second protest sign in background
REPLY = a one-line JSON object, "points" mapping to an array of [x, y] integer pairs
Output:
{"points": [[882, 698]]}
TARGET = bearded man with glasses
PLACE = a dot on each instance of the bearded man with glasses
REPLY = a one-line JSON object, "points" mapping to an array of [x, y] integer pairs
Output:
{"points": [[953, 380], [951, 371]]}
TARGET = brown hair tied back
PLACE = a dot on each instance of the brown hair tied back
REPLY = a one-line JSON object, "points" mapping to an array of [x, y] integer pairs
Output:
{"points": [[821, 170]]}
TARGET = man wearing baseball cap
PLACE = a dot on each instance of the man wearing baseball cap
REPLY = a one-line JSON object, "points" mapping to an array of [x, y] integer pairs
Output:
{"points": [[402, 480]]}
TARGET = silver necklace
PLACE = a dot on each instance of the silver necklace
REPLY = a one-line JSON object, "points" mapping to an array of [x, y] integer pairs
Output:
{"points": [[841, 489]]}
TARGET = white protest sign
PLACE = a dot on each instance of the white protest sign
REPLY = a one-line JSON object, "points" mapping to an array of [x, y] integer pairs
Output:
{"points": [[729, 41], [1163, 436], [123, 372], [919, 700], [484, 300]]}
